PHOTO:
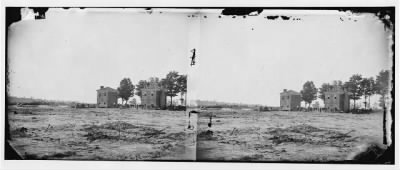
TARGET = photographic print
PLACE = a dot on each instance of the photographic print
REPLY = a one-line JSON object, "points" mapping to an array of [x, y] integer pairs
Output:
{"points": [[99, 84], [293, 86], [217, 84]]}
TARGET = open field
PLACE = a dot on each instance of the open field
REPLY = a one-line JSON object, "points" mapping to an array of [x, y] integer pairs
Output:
{"points": [[46, 132], [237, 135]]}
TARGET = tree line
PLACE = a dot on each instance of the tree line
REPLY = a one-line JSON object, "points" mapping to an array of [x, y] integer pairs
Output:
{"points": [[173, 83], [357, 86]]}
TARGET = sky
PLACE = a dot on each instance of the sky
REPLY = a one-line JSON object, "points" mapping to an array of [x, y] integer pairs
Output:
{"points": [[68, 55], [251, 60], [71, 53]]}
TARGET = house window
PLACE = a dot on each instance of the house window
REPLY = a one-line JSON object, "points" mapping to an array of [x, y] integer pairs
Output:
{"points": [[335, 97], [145, 95], [151, 94], [328, 97]]}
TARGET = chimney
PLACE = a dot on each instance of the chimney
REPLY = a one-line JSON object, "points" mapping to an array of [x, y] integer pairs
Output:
{"points": [[284, 90], [101, 87]]}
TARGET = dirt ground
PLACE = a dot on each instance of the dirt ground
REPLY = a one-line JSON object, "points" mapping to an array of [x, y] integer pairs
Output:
{"points": [[46, 132], [237, 135]]}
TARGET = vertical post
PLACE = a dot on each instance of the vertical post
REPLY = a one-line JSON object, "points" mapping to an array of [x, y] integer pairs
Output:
{"points": [[7, 127], [384, 125], [186, 100], [119, 130]]}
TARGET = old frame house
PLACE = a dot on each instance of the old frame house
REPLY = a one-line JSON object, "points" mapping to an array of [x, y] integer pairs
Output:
{"points": [[153, 96], [107, 97], [337, 100], [290, 100]]}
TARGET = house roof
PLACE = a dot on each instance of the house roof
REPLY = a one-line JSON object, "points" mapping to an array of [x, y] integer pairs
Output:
{"points": [[153, 85], [291, 92], [107, 89], [153, 89], [337, 90]]}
